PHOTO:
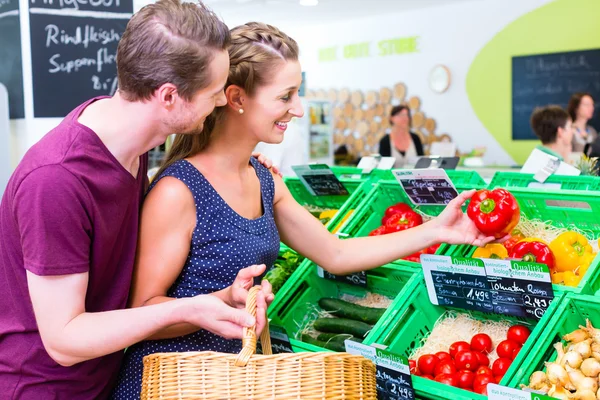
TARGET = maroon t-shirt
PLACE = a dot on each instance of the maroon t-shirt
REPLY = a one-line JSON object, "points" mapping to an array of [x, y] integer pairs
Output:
{"points": [[70, 207]]}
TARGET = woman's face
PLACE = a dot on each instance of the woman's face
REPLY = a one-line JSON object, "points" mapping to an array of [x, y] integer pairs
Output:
{"points": [[401, 119], [586, 108], [273, 105]]}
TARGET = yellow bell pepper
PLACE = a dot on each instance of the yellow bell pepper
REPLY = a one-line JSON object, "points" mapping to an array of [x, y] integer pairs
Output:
{"points": [[492, 250], [571, 279], [348, 214], [558, 277], [328, 214], [569, 249], [585, 262]]}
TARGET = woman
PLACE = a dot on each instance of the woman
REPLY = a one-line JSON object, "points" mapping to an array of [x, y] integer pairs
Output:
{"points": [[402, 144], [581, 110], [213, 209]]}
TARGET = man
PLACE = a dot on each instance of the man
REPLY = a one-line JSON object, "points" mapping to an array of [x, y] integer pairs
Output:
{"points": [[69, 216], [553, 126]]}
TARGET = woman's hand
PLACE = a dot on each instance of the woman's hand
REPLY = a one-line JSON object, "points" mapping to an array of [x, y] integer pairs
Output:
{"points": [[453, 226]]}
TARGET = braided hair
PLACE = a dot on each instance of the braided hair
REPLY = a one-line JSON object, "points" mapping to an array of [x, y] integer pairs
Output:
{"points": [[256, 50]]}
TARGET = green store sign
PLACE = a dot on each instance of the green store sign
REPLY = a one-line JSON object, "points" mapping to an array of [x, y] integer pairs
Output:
{"points": [[382, 48]]}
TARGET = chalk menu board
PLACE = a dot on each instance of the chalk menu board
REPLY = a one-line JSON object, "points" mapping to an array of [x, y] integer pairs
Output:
{"points": [[319, 180], [504, 287], [426, 186], [73, 51], [542, 79], [11, 63]]}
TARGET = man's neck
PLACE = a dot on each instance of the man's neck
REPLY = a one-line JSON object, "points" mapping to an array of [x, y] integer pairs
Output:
{"points": [[562, 150]]}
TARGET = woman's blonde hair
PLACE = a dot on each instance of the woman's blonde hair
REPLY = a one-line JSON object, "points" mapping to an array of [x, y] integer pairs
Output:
{"points": [[255, 51]]}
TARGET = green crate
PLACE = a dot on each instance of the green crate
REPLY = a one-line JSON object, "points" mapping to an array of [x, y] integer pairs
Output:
{"points": [[571, 312], [562, 209], [353, 173], [416, 318], [466, 178], [293, 305], [344, 204], [516, 179]]}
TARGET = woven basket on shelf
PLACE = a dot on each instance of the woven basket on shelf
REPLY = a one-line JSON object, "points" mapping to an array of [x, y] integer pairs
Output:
{"points": [[211, 375]]}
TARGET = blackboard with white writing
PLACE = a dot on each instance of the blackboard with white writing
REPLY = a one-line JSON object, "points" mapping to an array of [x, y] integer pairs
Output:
{"points": [[542, 79], [73, 51], [11, 62]]}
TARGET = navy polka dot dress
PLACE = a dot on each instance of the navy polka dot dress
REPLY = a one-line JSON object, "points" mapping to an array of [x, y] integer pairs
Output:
{"points": [[223, 242]]}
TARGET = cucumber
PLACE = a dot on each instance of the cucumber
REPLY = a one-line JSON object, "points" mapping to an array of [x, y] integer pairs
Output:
{"points": [[342, 325], [331, 345], [345, 309], [336, 337]]}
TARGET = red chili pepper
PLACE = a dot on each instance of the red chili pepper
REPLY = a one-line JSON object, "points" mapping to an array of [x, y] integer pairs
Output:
{"points": [[398, 208], [495, 213], [536, 252], [400, 222]]}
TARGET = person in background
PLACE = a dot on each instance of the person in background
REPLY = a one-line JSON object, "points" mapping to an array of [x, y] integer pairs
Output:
{"points": [[553, 126], [581, 110], [402, 144]]}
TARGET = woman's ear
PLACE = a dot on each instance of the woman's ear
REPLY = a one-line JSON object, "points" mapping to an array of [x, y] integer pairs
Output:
{"points": [[236, 96]]}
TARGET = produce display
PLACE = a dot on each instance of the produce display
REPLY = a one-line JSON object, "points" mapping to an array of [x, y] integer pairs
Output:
{"points": [[284, 267], [575, 372], [400, 217], [325, 215], [467, 353]]}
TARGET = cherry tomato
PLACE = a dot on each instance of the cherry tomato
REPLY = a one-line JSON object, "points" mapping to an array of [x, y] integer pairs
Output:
{"points": [[466, 360], [518, 333], [427, 376], [465, 379], [412, 364], [498, 379], [427, 364], [458, 346], [484, 371], [447, 379], [443, 356], [482, 358], [481, 342], [516, 352], [480, 383], [506, 348], [378, 232], [500, 366], [445, 367]]}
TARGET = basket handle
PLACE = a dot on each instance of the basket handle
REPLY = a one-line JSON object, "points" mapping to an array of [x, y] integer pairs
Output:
{"points": [[249, 336]]}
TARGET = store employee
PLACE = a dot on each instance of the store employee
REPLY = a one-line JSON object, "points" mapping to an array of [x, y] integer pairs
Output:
{"points": [[402, 144], [553, 126]]}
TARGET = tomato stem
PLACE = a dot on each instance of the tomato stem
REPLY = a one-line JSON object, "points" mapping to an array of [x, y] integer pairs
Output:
{"points": [[487, 206]]}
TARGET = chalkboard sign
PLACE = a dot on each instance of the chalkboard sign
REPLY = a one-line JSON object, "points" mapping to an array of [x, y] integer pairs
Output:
{"points": [[426, 186], [357, 279], [500, 286], [542, 79], [73, 51], [320, 180], [11, 63], [392, 371]]}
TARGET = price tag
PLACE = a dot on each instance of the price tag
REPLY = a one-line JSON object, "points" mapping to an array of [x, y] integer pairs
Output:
{"points": [[280, 341], [356, 279], [393, 373], [505, 287], [320, 180], [426, 186], [497, 392]]}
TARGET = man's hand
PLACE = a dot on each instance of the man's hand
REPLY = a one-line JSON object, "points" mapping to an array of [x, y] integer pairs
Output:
{"points": [[266, 162]]}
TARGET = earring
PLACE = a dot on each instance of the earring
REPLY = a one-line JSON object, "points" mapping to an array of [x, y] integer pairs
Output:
{"points": [[241, 110]]}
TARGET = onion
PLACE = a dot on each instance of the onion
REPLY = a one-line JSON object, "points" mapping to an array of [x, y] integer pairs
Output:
{"points": [[537, 380], [577, 336], [584, 394], [576, 377], [584, 348], [598, 394], [557, 374], [559, 392], [587, 384], [560, 350], [590, 367], [572, 359], [591, 331]]}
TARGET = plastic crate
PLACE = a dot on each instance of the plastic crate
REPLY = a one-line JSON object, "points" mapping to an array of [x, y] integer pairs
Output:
{"points": [[416, 318], [293, 309], [562, 209], [516, 179], [571, 312], [466, 178], [344, 204], [353, 173]]}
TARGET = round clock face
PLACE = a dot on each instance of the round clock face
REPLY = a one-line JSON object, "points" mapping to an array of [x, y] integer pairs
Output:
{"points": [[439, 79]]}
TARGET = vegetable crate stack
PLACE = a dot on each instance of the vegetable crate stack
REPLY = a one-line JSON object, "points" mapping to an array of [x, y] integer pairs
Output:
{"points": [[454, 354], [509, 180], [332, 211], [564, 361], [320, 313], [386, 208], [559, 228]]}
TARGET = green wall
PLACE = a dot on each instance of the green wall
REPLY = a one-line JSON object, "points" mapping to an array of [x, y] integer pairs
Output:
{"points": [[562, 25]]}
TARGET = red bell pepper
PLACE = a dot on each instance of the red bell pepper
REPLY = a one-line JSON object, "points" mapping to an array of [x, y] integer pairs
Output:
{"points": [[495, 213], [399, 208], [416, 257], [401, 222], [536, 252], [514, 239], [379, 231]]}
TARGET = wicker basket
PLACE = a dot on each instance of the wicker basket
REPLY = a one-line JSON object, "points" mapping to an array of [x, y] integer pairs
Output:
{"points": [[211, 375]]}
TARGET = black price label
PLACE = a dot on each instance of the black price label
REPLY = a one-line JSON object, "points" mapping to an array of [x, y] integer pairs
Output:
{"points": [[280, 341], [357, 279], [319, 180], [427, 187]]}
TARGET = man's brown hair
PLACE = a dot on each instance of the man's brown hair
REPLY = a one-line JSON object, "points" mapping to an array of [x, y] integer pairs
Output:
{"points": [[545, 122], [169, 42]]}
